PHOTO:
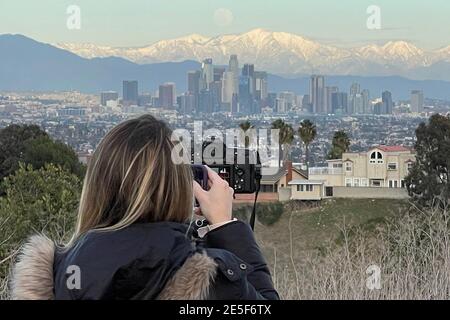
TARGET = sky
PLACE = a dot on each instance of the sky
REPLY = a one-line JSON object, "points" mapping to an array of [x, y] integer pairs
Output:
{"points": [[143, 22]]}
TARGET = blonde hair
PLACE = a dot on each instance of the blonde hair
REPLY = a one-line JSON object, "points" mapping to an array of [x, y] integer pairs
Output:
{"points": [[132, 178]]}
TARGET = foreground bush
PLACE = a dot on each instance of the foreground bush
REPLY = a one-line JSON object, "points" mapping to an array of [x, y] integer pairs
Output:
{"points": [[43, 200]]}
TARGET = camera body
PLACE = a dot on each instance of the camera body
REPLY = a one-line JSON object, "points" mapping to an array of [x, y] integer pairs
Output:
{"points": [[240, 167]]}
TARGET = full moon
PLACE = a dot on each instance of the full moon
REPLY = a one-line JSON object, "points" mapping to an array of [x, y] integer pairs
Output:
{"points": [[223, 17]]}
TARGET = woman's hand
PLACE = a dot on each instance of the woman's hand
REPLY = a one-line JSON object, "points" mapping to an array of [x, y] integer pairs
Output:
{"points": [[216, 204]]}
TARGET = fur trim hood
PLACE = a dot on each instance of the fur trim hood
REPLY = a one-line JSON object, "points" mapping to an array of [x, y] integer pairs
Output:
{"points": [[32, 277]]}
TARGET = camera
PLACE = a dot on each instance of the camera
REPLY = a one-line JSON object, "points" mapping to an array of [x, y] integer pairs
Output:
{"points": [[240, 167]]}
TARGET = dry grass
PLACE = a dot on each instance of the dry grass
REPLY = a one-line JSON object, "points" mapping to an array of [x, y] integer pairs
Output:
{"points": [[413, 253]]}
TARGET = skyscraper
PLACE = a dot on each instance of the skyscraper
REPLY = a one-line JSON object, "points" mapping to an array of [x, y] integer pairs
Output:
{"points": [[417, 101], [261, 91], [167, 95], [316, 93], [339, 102], [327, 98], [194, 86], [245, 97], [207, 74], [227, 87], [233, 67], [355, 88], [388, 105], [365, 101], [130, 92], [248, 70], [106, 96]]}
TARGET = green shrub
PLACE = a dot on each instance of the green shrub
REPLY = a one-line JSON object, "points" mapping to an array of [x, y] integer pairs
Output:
{"points": [[269, 213]]}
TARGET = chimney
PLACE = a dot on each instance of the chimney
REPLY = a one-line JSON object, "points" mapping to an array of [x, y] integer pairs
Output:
{"points": [[288, 166]]}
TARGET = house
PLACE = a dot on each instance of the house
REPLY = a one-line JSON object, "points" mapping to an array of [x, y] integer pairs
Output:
{"points": [[378, 173]]}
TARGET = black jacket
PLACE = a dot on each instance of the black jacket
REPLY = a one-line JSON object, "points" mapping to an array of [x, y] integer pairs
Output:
{"points": [[153, 261]]}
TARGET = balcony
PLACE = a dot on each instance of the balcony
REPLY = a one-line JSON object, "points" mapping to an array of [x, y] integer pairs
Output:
{"points": [[322, 171]]}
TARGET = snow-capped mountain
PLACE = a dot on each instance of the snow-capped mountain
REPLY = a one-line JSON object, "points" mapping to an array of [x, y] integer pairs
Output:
{"points": [[277, 52]]}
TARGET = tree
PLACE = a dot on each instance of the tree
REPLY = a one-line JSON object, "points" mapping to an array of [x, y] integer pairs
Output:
{"points": [[340, 144], [30, 145], [245, 126], [12, 139], [43, 200], [285, 138], [307, 132], [43, 150], [428, 179]]}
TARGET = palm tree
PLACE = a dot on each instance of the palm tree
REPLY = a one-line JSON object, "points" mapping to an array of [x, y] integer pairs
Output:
{"points": [[245, 126], [307, 132], [286, 137], [340, 144]]}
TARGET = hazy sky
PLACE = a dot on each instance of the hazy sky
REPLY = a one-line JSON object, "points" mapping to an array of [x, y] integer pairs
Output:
{"points": [[142, 22]]}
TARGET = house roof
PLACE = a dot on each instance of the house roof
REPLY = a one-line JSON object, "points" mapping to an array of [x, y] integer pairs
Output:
{"points": [[392, 148], [274, 178]]}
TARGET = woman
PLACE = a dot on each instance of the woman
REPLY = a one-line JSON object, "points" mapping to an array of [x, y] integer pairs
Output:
{"points": [[132, 238]]}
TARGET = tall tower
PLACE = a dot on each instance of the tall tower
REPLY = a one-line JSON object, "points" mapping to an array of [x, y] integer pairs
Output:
{"points": [[130, 92], [316, 93], [416, 101], [388, 105], [233, 67], [207, 74]]}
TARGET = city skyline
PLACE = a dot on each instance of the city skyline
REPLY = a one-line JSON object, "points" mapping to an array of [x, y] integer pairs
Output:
{"points": [[115, 23]]}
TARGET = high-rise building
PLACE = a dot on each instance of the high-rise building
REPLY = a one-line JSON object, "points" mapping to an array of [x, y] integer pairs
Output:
{"points": [[233, 67], [355, 88], [306, 103], [167, 95], [106, 96], [261, 91], [227, 87], [339, 102], [207, 74], [218, 73], [388, 105], [248, 70], [327, 98], [288, 99], [245, 97], [130, 92], [281, 105], [194, 85], [355, 104], [417, 101], [316, 93], [187, 103], [365, 101]]}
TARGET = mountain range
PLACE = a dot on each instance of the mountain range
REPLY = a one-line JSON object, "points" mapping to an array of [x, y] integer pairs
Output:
{"points": [[286, 54], [26, 65]]}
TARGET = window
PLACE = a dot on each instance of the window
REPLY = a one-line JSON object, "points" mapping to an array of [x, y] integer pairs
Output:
{"points": [[329, 191], [376, 183], [337, 165], [348, 166], [364, 182], [392, 166], [393, 184], [403, 184], [348, 182], [376, 157], [305, 187], [356, 182]]}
